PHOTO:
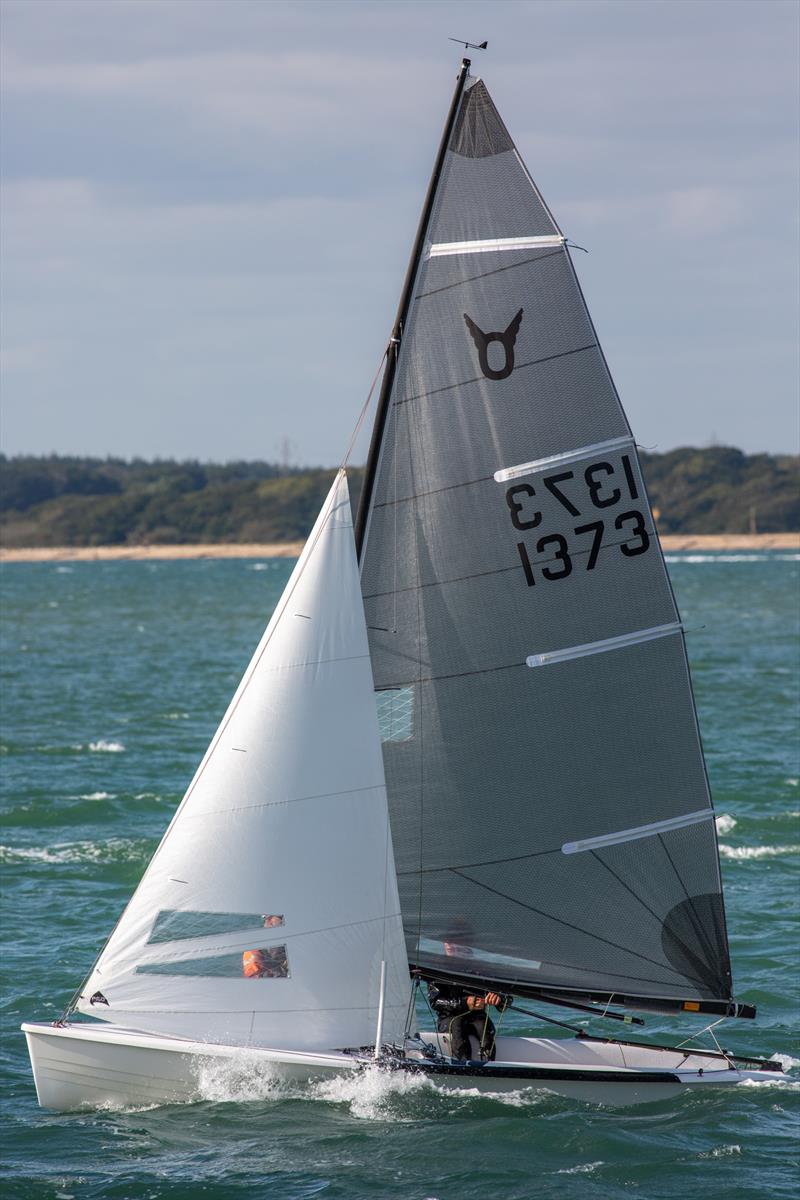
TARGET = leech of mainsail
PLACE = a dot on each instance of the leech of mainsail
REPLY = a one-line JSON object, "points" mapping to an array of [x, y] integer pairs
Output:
{"points": [[463, 579]]}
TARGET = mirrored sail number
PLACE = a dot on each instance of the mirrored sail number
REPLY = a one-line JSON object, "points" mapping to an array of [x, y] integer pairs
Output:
{"points": [[601, 490]]}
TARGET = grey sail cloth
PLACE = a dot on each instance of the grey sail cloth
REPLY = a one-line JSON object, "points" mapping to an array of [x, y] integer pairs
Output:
{"points": [[500, 772]]}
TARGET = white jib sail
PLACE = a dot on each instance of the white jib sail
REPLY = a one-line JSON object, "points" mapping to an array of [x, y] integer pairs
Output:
{"points": [[267, 909]]}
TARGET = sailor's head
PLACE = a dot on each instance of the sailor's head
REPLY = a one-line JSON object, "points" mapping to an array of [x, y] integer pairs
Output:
{"points": [[456, 940], [271, 920], [253, 963]]}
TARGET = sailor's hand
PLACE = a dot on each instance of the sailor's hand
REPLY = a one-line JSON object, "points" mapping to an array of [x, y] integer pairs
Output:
{"points": [[475, 1002], [492, 998]]}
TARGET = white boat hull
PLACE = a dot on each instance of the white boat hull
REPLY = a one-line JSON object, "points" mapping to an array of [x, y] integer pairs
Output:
{"points": [[91, 1066]]}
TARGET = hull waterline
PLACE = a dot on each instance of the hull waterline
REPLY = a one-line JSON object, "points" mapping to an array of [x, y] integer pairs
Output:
{"points": [[79, 1067]]}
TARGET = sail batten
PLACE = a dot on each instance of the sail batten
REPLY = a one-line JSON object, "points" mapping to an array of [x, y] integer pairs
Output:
{"points": [[604, 646], [542, 464], [438, 249], [468, 584]]}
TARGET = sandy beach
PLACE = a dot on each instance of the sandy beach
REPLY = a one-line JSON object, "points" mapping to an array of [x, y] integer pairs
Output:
{"points": [[684, 541]]}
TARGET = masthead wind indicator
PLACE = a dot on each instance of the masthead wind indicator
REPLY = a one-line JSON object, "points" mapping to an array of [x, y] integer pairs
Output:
{"points": [[469, 45]]}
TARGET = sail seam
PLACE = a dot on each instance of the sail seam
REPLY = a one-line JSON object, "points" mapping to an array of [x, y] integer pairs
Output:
{"points": [[628, 888], [296, 800], [238, 943], [485, 274], [451, 487], [534, 362], [312, 662], [487, 862], [416, 587], [578, 929], [456, 675]]}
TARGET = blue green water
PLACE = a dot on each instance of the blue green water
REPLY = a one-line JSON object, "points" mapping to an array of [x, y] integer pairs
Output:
{"points": [[115, 675]]}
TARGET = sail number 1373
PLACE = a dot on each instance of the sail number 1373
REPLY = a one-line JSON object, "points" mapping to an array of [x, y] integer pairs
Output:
{"points": [[599, 480]]}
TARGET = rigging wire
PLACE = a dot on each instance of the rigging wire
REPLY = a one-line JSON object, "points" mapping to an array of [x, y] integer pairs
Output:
{"points": [[710, 1030]]}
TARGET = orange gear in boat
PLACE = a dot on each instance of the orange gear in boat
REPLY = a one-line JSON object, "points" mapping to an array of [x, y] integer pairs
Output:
{"points": [[253, 963]]}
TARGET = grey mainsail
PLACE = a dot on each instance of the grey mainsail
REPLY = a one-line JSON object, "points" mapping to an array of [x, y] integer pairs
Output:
{"points": [[551, 815]]}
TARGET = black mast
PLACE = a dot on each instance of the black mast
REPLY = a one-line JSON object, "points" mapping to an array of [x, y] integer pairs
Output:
{"points": [[402, 313]]}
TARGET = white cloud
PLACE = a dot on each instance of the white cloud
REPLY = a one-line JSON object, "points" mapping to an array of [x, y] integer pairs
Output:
{"points": [[209, 200]]}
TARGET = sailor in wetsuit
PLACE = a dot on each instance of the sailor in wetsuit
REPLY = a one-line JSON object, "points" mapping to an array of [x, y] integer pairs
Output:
{"points": [[459, 1014]]}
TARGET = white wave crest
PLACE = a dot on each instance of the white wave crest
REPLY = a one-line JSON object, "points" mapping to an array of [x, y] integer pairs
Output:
{"points": [[792, 782], [581, 1169], [370, 1093], [112, 851], [764, 556], [786, 1061], [789, 1085], [722, 1152], [745, 852], [725, 823], [97, 796], [242, 1077], [104, 747]]}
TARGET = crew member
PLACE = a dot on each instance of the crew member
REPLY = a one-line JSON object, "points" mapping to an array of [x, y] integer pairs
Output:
{"points": [[460, 1013]]}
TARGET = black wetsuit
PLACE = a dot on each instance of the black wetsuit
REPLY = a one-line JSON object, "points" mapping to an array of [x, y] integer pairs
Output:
{"points": [[449, 1002]]}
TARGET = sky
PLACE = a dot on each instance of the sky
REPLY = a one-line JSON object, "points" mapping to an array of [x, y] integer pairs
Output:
{"points": [[208, 207]]}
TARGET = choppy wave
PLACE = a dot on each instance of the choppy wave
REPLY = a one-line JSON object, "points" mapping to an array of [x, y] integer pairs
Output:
{"points": [[745, 852], [371, 1094], [581, 1169], [722, 1151], [103, 747], [244, 1076], [764, 556], [114, 850], [725, 823]]}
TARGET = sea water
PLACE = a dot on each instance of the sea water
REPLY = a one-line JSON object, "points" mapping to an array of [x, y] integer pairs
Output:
{"points": [[115, 675]]}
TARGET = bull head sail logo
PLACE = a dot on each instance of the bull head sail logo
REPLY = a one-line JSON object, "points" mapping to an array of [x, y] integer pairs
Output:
{"points": [[507, 340]]}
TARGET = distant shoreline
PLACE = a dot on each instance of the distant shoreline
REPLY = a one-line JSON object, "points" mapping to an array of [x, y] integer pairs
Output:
{"points": [[679, 541]]}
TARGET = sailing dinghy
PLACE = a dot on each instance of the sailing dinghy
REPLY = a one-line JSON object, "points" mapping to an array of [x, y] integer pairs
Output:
{"points": [[465, 750]]}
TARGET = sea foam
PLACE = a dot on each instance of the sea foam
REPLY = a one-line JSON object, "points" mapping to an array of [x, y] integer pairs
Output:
{"points": [[746, 852]]}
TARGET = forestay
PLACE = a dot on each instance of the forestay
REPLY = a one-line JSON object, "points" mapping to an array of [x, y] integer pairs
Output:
{"points": [[552, 820], [267, 909]]}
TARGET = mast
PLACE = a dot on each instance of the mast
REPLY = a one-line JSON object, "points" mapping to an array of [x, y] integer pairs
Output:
{"points": [[402, 312]]}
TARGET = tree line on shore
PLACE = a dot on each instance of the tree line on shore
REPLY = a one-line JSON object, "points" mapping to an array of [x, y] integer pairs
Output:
{"points": [[74, 501]]}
